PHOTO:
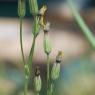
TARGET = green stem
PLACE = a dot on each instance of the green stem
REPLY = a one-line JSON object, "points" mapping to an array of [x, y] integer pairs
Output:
{"points": [[48, 75], [37, 93], [26, 86], [30, 58], [87, 32], [21, 40], [31, 52], [21, 44], [52, 88]]}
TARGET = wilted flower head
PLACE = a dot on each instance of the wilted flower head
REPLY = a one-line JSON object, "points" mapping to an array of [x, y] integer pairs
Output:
{"points": [[42, 10], [47, 27], [42, 16]]}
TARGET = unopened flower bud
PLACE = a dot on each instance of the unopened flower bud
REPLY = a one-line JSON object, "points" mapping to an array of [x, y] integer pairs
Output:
{"points": [[33, 7], [21, 8], [37, 81], [47, 44], [55, 72]]}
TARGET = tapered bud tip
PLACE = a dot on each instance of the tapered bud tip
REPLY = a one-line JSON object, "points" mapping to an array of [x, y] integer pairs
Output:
{"points": [[37, 80], [59, 56], [37, 71]]}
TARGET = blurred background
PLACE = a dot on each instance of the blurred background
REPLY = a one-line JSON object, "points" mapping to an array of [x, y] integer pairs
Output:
{"points": [[78, 66]]}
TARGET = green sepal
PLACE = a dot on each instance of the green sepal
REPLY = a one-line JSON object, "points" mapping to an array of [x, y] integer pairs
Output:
{"points": [[33, 7], [36, 26], [37, 83], [55, 72], [47, 45]]}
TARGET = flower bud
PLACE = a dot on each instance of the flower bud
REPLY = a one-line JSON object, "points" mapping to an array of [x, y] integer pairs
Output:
{"points": [[26, 71], [21, 8], [55, 72], [36, 25], [33, 7], [37, 81], [47, 44]]}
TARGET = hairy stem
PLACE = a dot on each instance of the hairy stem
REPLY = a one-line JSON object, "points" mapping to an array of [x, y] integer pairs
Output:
{"points": [[87, 32]]}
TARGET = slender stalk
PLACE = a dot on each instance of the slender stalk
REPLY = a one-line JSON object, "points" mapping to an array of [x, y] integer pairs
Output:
{"points": [[52, 88], [30, 60], [31, 51], [37, 94], [48, 75], [21, 40], [87, 32], [23, 58], [26, 86]]}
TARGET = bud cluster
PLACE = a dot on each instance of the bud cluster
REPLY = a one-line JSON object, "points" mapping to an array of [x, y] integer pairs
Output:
{"points": [[39, 23]]}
